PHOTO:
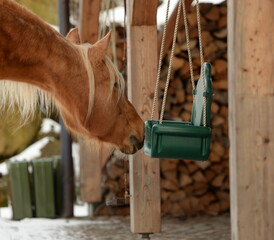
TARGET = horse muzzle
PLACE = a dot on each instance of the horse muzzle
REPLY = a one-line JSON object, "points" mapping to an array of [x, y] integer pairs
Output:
{"points": [[133, 145], [137, 144]]}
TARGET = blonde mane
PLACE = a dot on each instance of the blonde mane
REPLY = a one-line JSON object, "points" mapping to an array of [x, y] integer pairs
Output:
{"points": [[25, 98], [28, 98], [114, 75], [91, 80]]}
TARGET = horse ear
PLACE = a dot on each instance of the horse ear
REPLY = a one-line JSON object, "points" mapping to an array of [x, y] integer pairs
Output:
{"points": [[73, 36], [104, 42]]}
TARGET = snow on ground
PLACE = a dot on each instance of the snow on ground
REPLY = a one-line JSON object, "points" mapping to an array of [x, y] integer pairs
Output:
{"points": [[39, 228], [5, 213], [49, 125], [32, 152], [78, 211], [3, 168]]}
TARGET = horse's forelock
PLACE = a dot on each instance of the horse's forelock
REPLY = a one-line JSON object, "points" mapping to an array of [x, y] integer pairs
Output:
{"points": [[114, 76]]}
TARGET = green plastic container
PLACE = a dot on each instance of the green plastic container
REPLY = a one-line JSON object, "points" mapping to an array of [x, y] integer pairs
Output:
{"points": [[20, 190], [43, 174], [183, 140]]}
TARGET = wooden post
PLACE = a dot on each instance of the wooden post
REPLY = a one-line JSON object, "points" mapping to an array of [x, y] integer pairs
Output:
{"points": [[90, 160], [145, 202], [251, 104], [89, 20]]}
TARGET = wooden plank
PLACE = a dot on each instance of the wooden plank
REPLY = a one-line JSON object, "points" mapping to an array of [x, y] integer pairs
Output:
{"points": [[89, 20], [251, 98], [90, 174], [142, 12], [90, 159], [145, 201], [91, 164], [144, 171], [171, 27]]}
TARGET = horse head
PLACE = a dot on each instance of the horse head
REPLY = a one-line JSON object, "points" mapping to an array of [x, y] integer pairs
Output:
{"points": [[109, 116], [38, 66]]}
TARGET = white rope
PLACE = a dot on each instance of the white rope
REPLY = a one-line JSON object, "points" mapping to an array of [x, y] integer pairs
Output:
{"points": [[160, 62], [181, 3], [201, 57], [170, 61], [188, 46], [113, 35]]}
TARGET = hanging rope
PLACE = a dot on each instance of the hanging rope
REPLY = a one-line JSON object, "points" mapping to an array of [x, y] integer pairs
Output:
{"points": [[160, 62], [180, 5], [188, 48], [113, 34], [201, 57], [170, 61]]}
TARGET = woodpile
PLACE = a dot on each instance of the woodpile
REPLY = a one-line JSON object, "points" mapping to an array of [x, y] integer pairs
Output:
{"points": [[190, 187]]}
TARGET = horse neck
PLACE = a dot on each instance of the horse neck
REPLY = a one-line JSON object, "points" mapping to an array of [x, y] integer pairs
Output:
{"points": [[32, 52]]}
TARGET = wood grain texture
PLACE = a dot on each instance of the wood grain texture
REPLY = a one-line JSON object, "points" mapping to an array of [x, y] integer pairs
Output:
{"points": [[89, 20], [144, 171], [142, 12], [251, 98], [90, 174], [90, 160]]}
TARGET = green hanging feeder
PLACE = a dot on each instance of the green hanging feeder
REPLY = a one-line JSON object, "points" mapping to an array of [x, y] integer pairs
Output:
{"points": [[183, 140]]}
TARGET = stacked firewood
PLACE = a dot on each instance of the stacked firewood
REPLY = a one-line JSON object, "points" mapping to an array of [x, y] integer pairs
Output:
{"points": [[190, 187]]}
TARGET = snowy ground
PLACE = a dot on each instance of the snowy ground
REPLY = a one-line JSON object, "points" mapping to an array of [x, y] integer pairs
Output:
{"points": [[78, 211], [113, 228], [37, 228]]}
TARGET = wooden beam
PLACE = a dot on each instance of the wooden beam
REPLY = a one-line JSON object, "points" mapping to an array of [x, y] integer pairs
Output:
{"points": [[90, 174], [91, 164], [251, 98], [171, 27], [89, 20], [145, 202], [142, 12], [90, 159]]}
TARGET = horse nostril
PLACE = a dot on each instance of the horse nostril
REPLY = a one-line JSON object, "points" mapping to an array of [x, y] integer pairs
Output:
{"points": [[134, 140]]}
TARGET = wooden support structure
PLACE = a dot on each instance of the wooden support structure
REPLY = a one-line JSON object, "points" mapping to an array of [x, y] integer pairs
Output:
{"points": [[90, 160], [251, 105], [89, 20], [145, 202]]}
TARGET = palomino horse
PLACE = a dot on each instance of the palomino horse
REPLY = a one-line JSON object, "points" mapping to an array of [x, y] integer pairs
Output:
{"points": [[38, 65]]}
